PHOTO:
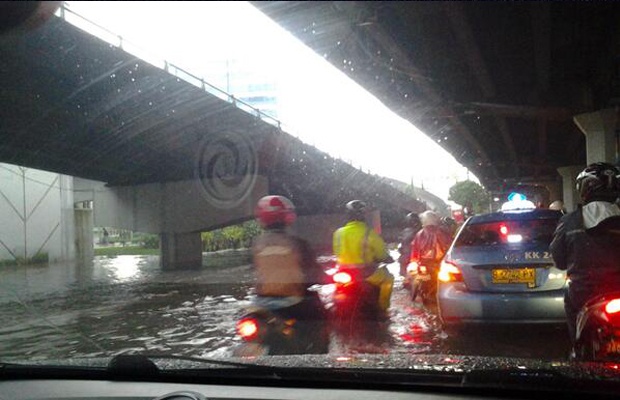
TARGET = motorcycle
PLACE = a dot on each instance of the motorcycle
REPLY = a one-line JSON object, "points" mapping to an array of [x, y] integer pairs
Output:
{"points": [[283, 331], [598, 329], [360, 302], [422, 282]]}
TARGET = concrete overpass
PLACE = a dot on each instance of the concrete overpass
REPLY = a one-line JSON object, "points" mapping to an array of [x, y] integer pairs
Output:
{"points": [[522, 94], [158, 150]]}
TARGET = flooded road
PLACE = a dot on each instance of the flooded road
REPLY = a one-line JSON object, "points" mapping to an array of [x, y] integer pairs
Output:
{"points": [[126, 304]]}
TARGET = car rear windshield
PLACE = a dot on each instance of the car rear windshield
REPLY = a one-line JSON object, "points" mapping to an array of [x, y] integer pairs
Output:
{"points": [[527, 231]]}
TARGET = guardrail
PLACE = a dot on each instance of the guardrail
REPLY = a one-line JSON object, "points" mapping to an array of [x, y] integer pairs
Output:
{"points": [[70, 16]]}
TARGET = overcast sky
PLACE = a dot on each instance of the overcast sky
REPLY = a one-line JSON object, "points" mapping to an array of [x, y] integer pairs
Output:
{"points": [[317, 102]]}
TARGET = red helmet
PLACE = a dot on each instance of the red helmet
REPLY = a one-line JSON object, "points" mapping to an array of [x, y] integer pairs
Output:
{"points": [[275, 210]]}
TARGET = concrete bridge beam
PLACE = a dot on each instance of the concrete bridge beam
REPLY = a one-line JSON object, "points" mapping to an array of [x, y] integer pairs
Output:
{"points": [[180, 250], [171, 207], [556, 191], [570, 194], [178, 211], [601, 138]]}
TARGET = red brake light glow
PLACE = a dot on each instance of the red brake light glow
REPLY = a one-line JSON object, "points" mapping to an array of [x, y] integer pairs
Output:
{"points": [[247, 328], [613, 306], [503, 229], [342, 277], [449, 272]]}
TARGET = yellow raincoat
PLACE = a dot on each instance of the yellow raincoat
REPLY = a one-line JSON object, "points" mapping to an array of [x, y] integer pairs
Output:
{"points": [[356, 245]]}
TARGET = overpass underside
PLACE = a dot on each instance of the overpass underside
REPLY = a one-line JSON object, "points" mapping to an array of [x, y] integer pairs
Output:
{"points": [[157, 152]]}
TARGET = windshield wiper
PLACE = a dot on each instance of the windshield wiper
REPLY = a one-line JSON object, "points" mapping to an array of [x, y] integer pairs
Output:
{"points": [[121, 364], [121, 367]]}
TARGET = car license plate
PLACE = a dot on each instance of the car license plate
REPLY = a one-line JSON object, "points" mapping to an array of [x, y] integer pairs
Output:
{"points": [[612, 347], [515, 275]]}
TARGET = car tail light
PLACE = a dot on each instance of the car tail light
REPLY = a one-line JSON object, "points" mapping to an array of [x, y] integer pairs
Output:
{"points": [[342, 278], [247, 328], [503, 229], [449, 272], [613, 306]]}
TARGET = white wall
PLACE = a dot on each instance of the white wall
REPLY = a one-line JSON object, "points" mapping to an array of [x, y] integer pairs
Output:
{"points": [[36, 210]]}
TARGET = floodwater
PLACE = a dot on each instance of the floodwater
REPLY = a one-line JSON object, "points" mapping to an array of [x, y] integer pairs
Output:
{"points": [[127, 304]]}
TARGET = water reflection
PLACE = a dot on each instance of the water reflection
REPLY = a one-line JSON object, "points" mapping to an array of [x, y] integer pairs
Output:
{"points": [[125, 267], [128, 304]]}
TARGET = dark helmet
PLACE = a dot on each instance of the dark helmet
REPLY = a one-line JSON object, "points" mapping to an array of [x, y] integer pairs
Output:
{"points": [[448, 221], [599, 182], [275, 211], [413, 219], [356, 210]]}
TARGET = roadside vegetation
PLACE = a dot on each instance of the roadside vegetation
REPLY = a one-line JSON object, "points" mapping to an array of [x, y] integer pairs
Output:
{"points": [[221, 242], [125, 251], [39, 258]]}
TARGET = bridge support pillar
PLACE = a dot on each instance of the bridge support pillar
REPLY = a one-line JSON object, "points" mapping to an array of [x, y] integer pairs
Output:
{"points": [[180, 250], [601, 136], [570, 196], [84, 247], [556, 191]]}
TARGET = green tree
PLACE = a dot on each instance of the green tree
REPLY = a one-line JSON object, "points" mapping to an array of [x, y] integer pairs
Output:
{"points": [[470, 194], [231, 237]]}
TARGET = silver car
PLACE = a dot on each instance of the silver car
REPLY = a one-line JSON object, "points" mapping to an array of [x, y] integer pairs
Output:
{"points": [[499, 270]]}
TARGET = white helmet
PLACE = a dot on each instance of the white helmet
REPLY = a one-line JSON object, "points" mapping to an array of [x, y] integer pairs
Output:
{"points": [[557, 205], [429, 218]]}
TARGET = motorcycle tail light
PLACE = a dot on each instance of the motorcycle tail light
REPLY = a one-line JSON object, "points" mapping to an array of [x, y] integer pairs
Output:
{"points": [[247, 328], [422, 269], [449, 272], [342, 278], [412, 267], [613, 306]]}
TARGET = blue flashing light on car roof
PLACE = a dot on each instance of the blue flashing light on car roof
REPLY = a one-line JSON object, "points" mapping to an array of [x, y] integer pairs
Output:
{"points": [[517, 201], [516, 197]]}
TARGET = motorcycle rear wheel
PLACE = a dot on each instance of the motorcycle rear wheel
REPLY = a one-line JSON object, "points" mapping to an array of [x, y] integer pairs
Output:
{"points": [[414, 290], [585, 348]]}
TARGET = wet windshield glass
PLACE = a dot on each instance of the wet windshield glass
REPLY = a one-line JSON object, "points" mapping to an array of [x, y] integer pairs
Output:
{"points": [[251, 179], [505, 232]]}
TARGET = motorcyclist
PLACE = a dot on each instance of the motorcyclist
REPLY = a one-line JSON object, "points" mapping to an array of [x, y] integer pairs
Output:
{"points": [[557, 205], [586, 242], [405, 238], [358, 247], [285, 264], [429, 245], [450, 225]]}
